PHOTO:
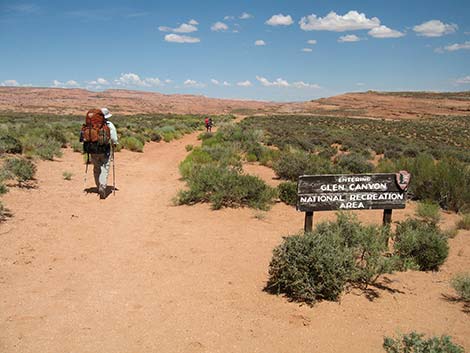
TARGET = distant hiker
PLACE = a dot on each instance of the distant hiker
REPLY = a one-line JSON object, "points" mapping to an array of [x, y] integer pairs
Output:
{"points": [[99, 137], [208, 122]]}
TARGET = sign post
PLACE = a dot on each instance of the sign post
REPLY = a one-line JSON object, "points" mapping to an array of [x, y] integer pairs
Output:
{"points": [[385, 191]]}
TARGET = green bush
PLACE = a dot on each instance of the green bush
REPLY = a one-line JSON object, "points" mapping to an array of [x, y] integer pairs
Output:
{"points": [[288, 192], [189, 148], [224, 187], [292, 164], [250, 157], [354, 163], [420, 243], [132, 143], [416, 343], [44, 149], [318, 265], [10, 144], [461, 284], [3, 187], [67, 175], [20, 169], [464, 222], [429, 211], [77, 146]]}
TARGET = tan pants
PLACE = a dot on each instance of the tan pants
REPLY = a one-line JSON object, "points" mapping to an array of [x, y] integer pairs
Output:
{"points": [[101, 163]]}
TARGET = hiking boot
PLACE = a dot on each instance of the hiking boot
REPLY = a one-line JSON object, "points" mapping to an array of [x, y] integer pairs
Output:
{"points": [[102, 192]]}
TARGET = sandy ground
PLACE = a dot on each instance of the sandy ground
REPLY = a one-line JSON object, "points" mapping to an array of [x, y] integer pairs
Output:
{"points": [[133, 273]]}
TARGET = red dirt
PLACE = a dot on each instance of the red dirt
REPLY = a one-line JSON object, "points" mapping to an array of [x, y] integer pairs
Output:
{"points": [[133, 273], [370, 104]]}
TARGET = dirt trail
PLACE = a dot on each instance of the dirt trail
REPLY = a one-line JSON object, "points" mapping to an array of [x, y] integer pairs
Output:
{"points": [[133, 273]]}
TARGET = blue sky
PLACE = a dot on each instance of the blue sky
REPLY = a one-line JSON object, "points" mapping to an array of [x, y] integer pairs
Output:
{"points": [[259, 49]]}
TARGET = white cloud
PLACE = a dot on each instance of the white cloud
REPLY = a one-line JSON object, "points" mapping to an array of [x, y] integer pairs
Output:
{"points": [[280, 20], [183, 28], [281, 83], [463, 80], [351, 21], [102, 81], [260, 42], [69, 83], [312, 41], [168, 81], [132, 79], [434, 28], [176, 38], [456, 46], [245, 16], [215, 82], [385, 32], [307, 50], [360, 84], [226, 84], [244, 84], [10, 83], [219, 26], [349, 38], [229, 18], [302, 84], [193, 83]]}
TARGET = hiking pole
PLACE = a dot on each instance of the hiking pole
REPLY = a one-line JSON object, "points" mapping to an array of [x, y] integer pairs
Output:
{"points": [[114, 173], [86, 171]]}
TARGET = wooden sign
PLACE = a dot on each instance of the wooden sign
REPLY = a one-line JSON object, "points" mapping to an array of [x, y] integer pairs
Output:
{"points": [[352, 192]]}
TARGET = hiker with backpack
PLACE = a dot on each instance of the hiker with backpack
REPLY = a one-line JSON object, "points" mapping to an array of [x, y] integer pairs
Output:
{"points": [[208, 122], [99, 137]]}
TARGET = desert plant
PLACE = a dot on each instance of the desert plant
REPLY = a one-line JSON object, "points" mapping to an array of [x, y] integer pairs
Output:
{"points": [[224, 187], [461, 284], [67, 175], [464, 222], [420, 243], [132, 143], [10, 144], [21, 169], [189, 148], [77, 146], [354, 163], [428, 211], [288, 192], [318, 265], [416, 343]]}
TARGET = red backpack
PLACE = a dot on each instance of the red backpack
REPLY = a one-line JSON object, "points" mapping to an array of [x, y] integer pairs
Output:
{"points": [[95, 133]]}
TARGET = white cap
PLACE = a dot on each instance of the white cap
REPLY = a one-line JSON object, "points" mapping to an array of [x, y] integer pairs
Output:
{"points": [[106, 113]]}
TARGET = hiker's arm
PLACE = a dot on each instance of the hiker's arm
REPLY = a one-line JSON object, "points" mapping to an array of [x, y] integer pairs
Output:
{"points": [[113, 131]]}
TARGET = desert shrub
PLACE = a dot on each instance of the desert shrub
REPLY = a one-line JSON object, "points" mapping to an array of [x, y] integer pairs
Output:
{"points": [[77, 146], [318, 265], [292, 164], [189, 148], [3, 187], [10, 144], [155, 136], [20, 169], [67, 175], [250, 157], [268, 157], [328, 152], [464, 222], [288, 192], [461, 284], [44, 149], [428, 211], [224, 187], [420, 243], [132, 144], [354, 163], [416, 343], [56, 135], [195, 158], [310, 267]]}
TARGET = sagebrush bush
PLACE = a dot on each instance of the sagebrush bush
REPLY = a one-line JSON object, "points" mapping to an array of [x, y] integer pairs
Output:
{"points": [[416, 343], [20, 169], [44, 149], [224, 187], [354, 163], [428, 211], [132, 143], [291, 164], [318, 265], [421, 243], [288, 192], [77, 146], [10, 144], [464, 222], [67, 175], [461, 284]]}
